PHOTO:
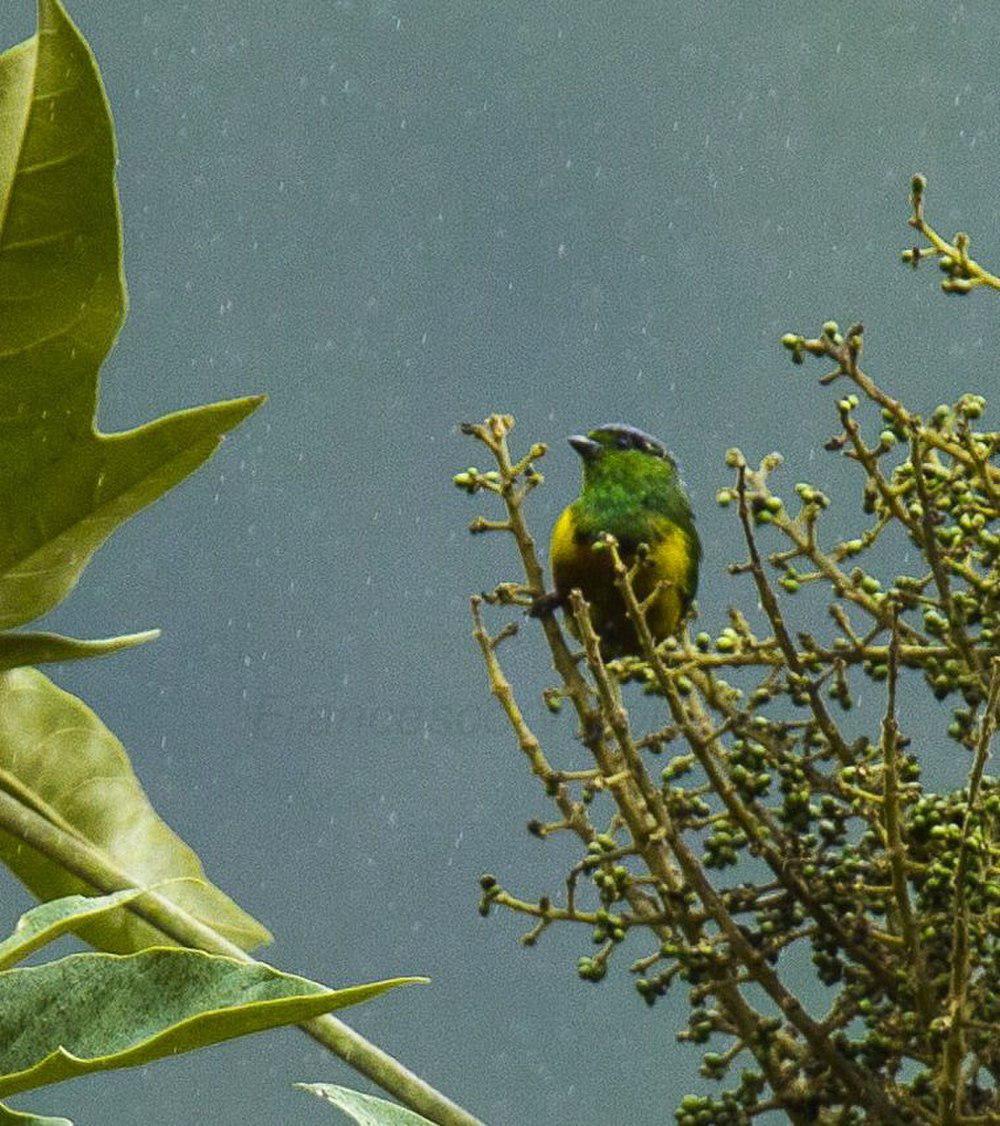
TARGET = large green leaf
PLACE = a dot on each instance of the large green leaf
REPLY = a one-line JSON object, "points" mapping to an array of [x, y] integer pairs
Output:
{"points": [[37, 648], [64, 487], [95, 1012], [365, 1110], [58, 757], [9, 1117], [46, 922]]}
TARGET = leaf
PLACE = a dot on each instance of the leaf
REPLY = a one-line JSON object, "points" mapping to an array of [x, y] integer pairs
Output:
{"points": [[9, 1117], [64, 486], [58, 757], [96, 1012], [366, 1110], [17, 649], [47, 922]]}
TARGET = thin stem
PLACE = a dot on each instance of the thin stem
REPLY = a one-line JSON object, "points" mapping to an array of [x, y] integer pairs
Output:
{"points": [[551, 913], [956, 630], [847, 358], [950, 1086], [91, 866], [970, 266], [773, 611], [894, 840], [846, 353]]}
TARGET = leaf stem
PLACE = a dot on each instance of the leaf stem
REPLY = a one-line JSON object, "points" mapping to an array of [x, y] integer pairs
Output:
{"points": [[87, 863]]}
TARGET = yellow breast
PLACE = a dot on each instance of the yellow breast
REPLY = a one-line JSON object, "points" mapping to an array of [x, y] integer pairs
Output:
{"points": [[575, 565]]}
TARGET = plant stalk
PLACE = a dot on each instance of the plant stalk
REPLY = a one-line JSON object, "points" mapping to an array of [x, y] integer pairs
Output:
{"points": [[90, 865]]}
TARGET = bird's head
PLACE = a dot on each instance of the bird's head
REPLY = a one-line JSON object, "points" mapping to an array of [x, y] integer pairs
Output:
{"points": [[623, 456]]}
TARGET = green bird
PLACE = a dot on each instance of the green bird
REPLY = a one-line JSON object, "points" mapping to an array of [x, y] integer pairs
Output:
{"points": [[632, 490]]}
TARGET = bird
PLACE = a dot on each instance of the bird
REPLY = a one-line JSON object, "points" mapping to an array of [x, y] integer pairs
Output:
{"points": [[631, 490]]}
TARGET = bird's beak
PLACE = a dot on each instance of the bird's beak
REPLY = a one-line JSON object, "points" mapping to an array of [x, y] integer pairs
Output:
{"points": [[586, 447]]}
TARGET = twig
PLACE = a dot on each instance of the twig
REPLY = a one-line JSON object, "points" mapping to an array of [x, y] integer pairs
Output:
{"points": [[894, 841], [773, 611], [956, 630], [949, 1085], [958, 250]]}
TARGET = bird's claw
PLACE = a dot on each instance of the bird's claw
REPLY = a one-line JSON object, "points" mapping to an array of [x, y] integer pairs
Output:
{"points": [[545, 604]]}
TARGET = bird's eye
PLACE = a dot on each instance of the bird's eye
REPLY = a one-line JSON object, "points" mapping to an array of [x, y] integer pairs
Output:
{"points": [[623, 441]]}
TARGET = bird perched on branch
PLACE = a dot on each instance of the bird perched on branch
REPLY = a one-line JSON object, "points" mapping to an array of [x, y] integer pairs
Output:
{"points": [[631, 490]]}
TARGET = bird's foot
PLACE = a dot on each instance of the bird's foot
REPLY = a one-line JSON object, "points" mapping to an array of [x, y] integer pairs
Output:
{"points": [[545, 604]]}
